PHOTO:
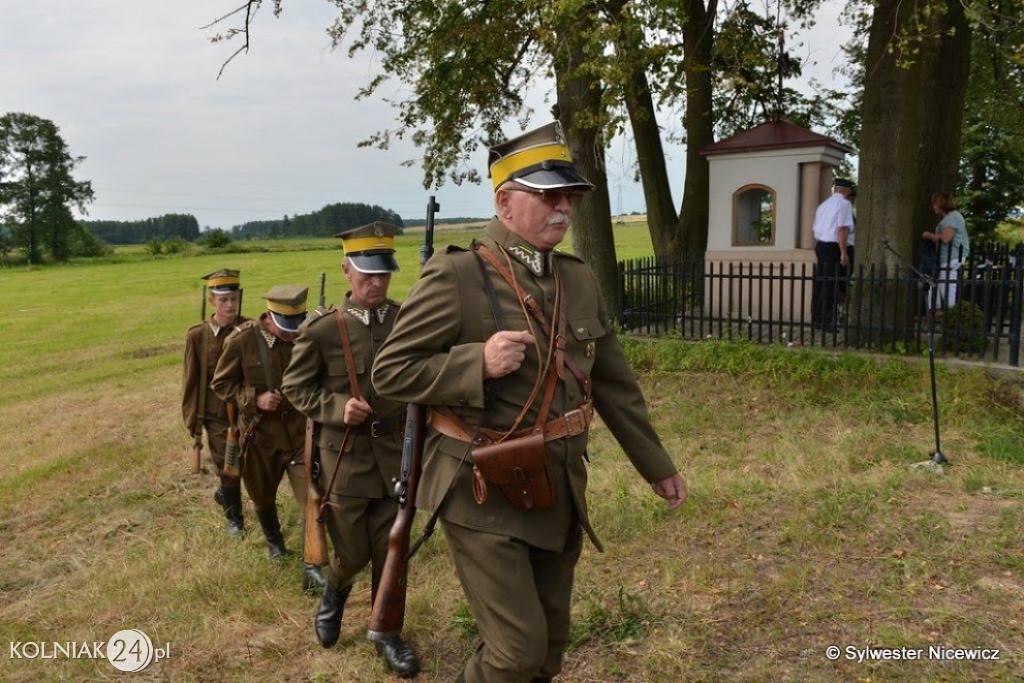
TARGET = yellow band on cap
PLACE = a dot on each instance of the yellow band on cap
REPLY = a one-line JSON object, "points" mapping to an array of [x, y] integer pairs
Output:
{"points": [[221, 281], [285, 309], [503, 169], [357, 244]]}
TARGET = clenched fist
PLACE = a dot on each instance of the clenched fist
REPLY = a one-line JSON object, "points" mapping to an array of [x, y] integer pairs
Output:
{"points": [[504, 352]]}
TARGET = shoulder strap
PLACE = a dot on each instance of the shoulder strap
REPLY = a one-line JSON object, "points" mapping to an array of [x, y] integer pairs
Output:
{"points": [[261, 344], [534, 308], [204, 372], [492, 296], [346, 347]]}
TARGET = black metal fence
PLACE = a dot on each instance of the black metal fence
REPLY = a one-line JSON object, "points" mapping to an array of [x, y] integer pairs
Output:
{"points": [[876, 308]]}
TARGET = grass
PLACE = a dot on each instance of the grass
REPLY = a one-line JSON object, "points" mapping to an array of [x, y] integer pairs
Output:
{"points": [[807, 523]]}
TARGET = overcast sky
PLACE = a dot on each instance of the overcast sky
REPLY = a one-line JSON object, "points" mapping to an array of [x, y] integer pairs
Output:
{"points": [[132, 85]]}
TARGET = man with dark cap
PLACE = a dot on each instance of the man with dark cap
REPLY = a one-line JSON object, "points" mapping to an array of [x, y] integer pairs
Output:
{"points": [[360, 433], [249, 375], [509, 345], [201, 408], [833, 221]]}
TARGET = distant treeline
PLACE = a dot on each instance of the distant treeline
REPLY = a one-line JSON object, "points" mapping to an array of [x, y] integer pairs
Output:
{"points": [[326, 222], [144, 231]]}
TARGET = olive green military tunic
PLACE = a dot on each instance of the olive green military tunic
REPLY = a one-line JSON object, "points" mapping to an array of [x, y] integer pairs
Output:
{"points": [[205, 335], [317, 383], [275, 447], [435, 357]]}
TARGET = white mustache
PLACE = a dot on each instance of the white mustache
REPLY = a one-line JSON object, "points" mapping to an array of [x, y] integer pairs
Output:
{"points": [[558, 219]]}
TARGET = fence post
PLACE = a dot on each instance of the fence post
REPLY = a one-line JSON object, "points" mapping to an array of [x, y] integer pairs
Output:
{"points": [[1018, 303]]}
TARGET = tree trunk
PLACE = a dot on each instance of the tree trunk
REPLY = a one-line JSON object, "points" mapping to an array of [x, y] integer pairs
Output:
{"points": [[911, 122], [579, 101], [698, 41]]}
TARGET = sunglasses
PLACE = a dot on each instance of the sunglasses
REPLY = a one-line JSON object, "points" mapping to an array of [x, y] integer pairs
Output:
{"points": [[553, 196]]}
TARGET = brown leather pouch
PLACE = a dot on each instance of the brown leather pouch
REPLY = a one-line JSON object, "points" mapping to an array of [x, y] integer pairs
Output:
{"points": [[520, 468]]}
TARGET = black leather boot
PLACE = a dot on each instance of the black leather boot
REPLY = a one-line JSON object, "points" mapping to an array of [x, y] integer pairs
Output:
{"points": [[329, 614], [218, 496], [399, 655], [313, 578], [272, 530], [232, 497]]}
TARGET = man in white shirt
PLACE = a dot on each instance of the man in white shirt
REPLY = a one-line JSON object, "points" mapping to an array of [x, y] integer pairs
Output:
{"points": [[833, 222]]}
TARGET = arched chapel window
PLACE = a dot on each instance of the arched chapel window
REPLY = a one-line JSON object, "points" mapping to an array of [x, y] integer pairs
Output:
{"points": [[753, 216]]}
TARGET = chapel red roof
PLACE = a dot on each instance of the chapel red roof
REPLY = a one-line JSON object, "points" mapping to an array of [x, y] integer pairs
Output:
{"points": [[772, 135]]}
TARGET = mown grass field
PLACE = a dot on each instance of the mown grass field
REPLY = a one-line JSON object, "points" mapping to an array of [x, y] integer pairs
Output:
{"points": [[807, 526]]}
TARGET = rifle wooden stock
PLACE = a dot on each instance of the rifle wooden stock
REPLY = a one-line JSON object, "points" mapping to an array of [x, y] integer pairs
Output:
{"points": [[388, 615], [314, 548], [232, 459]]}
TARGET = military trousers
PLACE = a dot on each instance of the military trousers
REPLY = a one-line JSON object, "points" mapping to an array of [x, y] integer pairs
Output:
{"points": [[359, 529], [519, 596], [263, 471], [216, 429]]}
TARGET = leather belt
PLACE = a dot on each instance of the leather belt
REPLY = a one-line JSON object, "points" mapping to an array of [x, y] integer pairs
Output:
{"points": [[380, 427], [571, 423]]}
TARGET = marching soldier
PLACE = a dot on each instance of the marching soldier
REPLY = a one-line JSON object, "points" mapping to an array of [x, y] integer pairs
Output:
{"points": [[509, 345], [249, 375], [201, 408], [360, 433]]}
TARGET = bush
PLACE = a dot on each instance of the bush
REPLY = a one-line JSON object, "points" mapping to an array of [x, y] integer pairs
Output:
{"points": [[175, 245], [216, 239], [963, 328]]}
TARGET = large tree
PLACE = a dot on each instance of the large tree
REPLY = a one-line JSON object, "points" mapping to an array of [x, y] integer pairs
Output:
{"points": [[992, 149], [37, 189], [917, 67]]}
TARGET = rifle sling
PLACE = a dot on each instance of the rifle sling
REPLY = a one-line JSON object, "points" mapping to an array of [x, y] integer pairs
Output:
{"points": [[264, 349], [261, 344], [204, 377], [353, 380]]}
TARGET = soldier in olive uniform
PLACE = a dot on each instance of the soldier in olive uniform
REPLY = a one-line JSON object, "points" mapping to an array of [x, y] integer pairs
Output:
{"points": [[201, 408], [466, 345], [318, 382], [249, 375]]}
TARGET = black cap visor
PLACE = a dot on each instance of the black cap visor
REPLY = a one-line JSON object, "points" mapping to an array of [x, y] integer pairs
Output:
{"points": [[374, 261], [288, 323], [551, 176]]}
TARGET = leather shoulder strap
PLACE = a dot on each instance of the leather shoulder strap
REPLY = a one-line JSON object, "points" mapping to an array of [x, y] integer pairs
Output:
{"points": [[204, 372], [261, 344], [346, 347], [534, 308]]}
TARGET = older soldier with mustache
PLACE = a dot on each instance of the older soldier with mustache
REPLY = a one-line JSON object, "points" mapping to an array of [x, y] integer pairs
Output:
{"points": [[509, 345]]}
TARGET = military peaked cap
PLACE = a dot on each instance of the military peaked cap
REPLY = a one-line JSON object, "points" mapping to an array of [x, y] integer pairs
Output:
{"points": [[539, 159], [287, 306], [223, 281], [370, 248]]}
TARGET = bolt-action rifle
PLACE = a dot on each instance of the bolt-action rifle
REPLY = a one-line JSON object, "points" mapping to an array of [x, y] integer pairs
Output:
{"points": [[388, 615], [197, 444], [314, 549]]}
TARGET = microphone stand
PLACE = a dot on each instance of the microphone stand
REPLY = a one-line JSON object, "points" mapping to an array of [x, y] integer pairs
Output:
{"points": [[936, 457]]}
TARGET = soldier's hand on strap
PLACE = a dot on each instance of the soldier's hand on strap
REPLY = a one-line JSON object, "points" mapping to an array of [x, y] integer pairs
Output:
{"points": [[268, 401], [504, 352], [672, 489], [356, 411]]}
